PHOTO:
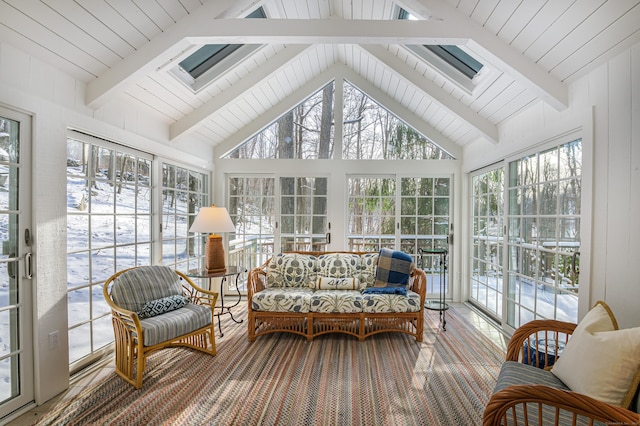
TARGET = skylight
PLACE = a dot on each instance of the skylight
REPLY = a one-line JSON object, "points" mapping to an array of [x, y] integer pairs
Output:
{"points": [[452, 55], [212, 60]]}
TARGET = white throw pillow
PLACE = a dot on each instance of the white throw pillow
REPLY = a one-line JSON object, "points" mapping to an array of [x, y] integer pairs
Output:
{"points": [[601, 361], [332, 283]]}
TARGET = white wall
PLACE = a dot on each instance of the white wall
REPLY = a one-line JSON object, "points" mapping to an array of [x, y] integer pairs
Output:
{"points": [[56, 102], [605, 107]]}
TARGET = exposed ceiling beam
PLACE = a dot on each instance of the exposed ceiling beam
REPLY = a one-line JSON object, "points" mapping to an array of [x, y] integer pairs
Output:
{"points": [[501, 54], [454, 28], [203, 112], [325, 31], [161, 49], [435, 92]]}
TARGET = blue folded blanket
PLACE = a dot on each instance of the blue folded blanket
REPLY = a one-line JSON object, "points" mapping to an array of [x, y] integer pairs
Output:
{"points": [[385, 290], [394, 268]]}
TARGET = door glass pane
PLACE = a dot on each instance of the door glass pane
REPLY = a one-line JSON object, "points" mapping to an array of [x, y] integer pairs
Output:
{"points": [[12, 317], [371, 214], [487, 240], [304, 214], [184, 191], [544, 239], [251, 206]]}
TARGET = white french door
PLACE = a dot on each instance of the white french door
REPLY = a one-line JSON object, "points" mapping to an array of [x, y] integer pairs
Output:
{"points": [[274, 214], [16, 299]]}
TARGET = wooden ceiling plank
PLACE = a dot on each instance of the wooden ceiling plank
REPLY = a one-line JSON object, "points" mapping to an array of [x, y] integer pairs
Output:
{"points": [[562, 26], [92, 26], [30, 48], [484, 9], [156, 13], [175, 9], [136, 17], [531, 20], [116, 22], [500, 15], [591, 29], [33, 31], [68, 31], [621, 35]]}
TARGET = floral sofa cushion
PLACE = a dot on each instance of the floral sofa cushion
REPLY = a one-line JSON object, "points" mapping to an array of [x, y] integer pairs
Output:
{"points": [[291, 270], [282, 300], [368, 266], [382, 303], [336, 301], [339, 265]]}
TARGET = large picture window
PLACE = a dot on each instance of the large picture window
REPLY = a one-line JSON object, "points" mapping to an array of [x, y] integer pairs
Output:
{"points": [[108, 229], [184, 191]]}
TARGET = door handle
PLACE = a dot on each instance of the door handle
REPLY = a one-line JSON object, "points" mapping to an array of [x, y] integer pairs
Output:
{"points": [[28, 271], [328, 237]]}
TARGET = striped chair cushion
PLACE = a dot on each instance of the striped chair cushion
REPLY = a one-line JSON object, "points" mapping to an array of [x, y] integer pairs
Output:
{"points": [[170, 325], [136, 287], [516, 373]]}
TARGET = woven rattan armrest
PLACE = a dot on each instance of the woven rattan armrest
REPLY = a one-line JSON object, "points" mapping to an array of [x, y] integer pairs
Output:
{"points": [[529, 400], [418, 284], [256, 281], [554, 333]]}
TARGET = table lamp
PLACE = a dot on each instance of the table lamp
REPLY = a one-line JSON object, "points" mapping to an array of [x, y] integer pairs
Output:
{"points": [[211, 220]]}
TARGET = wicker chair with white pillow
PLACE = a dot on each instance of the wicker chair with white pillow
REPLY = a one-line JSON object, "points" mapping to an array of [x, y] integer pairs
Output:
{"points": [[155, 307], [560, 373]]}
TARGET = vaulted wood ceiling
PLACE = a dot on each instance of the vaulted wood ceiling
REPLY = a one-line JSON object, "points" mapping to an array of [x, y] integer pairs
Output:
{"points": [[123, 50]]}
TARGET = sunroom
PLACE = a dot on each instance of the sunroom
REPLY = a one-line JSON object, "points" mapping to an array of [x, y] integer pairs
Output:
{"points": [[504, 134]]}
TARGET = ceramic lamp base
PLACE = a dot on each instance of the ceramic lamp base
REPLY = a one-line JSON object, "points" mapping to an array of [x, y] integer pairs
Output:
{"points": [[214, 255]]}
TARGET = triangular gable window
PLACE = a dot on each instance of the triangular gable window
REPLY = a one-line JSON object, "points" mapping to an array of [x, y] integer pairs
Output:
{"points": [[303, 133], [371, 132]]}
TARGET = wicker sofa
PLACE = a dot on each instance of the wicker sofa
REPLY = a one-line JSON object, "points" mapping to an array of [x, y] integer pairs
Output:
{"points": [[529, 393], [284, 296]]}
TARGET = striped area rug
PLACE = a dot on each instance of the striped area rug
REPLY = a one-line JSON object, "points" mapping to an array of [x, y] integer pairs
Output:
{"points": [[282, 379]]}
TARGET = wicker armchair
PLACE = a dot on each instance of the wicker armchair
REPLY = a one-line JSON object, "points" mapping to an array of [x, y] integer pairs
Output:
{"points": [[537, 344], [155, 307]]}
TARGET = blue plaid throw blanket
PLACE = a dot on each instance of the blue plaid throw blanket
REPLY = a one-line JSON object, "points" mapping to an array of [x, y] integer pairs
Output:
{"points": [[392, 273]]}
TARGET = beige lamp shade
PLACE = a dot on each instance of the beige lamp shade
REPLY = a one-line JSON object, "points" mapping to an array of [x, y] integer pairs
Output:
{"points": [[212, 220]]}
